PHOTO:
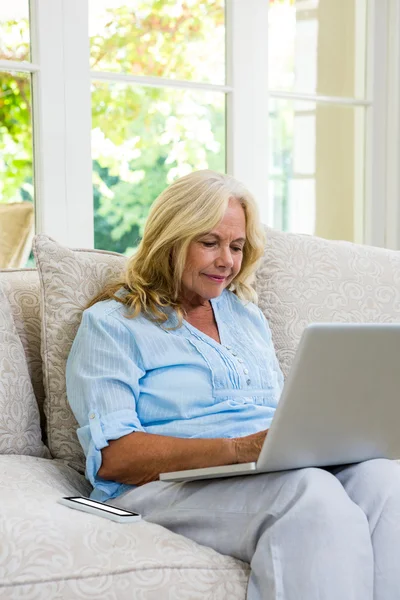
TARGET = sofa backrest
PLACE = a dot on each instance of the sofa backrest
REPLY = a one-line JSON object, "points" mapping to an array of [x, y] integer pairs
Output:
{"points": [[305, 279], [22, 289]]}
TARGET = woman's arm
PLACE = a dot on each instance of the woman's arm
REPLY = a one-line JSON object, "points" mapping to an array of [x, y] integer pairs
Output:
{"points": [[138, 458], [103, 373]]}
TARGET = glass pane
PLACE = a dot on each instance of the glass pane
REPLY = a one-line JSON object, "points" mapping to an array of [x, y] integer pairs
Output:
{"points": [[14, 30], [318, 46], [177, 39], [317, 169], [143, 138], [16, 169]]}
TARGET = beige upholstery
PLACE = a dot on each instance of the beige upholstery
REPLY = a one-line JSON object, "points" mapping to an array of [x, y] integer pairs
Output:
{"points": [[21, 287], [69, 280], [19, 413], [304, 279], [16, 233], [49, 551]]}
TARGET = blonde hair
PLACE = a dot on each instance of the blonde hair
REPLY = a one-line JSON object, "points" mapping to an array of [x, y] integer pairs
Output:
{"points": [[187, 209]]}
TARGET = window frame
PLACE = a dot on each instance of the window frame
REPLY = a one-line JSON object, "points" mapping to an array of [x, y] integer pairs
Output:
{"points": [[62, 121], [392, 97]]}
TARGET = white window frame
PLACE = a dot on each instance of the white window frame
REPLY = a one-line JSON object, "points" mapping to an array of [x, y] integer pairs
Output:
{"points": [[62, 121], [376, 125], [392, 209], [382, 209], [62, 114], [247, 104]]}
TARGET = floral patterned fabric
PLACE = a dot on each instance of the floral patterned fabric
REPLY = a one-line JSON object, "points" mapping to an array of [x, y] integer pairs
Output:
{"points": [[51, 551], [304, 279], [69, 279], [21, 286], [19, 414]]}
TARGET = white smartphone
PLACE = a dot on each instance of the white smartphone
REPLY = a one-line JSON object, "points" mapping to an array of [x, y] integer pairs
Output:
{"points": [[120, 515]]}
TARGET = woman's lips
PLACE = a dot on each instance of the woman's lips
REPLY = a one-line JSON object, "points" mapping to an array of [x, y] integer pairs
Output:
{"points": [[216, 279]]}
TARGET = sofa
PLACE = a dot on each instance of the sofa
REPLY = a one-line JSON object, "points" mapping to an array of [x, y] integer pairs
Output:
{"points": [[46, 549]]}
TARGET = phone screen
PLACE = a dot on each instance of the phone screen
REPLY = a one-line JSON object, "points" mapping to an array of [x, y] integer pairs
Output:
{"points": [[106, 507]]}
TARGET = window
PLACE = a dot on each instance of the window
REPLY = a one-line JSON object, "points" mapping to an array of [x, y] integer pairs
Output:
{"points": [[318, 104], [16, 148], [157, 108], [105, 102]]}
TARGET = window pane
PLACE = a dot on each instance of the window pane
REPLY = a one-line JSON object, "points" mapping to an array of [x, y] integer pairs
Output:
{"points": [[143, 138], [318, 46], [16, 169], [177, 39], [317, 169], [14, 30]]}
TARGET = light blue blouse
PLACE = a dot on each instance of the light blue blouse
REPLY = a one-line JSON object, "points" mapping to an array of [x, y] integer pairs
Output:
{"points": [[126, 375]]}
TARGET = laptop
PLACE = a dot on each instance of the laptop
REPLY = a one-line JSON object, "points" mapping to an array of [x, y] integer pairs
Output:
{"points": [[340, 403]]}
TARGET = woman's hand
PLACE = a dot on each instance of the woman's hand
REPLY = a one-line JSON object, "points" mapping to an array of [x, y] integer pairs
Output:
{"points": [[248, 448]]}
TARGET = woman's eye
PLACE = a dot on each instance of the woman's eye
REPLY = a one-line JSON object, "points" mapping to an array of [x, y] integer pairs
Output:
{"points": [[209, 244]]}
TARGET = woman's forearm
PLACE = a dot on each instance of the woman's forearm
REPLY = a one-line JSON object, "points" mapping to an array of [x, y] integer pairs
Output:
{"points": [[138, 458]]}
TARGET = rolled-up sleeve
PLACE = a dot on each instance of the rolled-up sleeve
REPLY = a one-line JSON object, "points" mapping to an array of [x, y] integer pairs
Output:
{"points": [[103, 375]]}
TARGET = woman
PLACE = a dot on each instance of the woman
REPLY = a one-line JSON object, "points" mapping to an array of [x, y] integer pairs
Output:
{"points": [[173, 368]]}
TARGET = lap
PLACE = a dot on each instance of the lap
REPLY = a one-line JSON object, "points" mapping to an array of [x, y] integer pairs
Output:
{"points": [[241, 494], [228, 514], [264, 491]]}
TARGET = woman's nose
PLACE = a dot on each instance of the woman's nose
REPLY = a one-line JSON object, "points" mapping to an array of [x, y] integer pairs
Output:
{"points": [[225, 257]]}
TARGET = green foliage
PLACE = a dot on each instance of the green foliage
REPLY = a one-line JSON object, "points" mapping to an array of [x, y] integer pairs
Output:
{"points": [[161, 38], [15, 116], [15, 138]]}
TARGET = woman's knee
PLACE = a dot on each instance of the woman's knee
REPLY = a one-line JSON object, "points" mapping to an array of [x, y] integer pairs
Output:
{"points": [[380, 475], [379, 470], [324, 502], [374, 486]]}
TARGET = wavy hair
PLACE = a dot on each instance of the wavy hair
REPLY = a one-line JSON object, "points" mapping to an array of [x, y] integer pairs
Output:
{"points": [[187, 209]]}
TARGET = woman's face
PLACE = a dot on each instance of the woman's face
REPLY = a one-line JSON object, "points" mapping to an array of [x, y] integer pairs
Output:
{"points": [[218, 253]]}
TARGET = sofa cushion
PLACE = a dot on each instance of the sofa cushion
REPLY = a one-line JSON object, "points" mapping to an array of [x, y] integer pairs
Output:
{"points": [[51, 551], [69, 279], [21, 287], [20, 431], [304, 279]]}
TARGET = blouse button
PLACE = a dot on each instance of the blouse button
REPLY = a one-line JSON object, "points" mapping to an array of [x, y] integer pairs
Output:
{"points": [[245, 371], [234, 353], [92, 416], [240, 360], [248, 381]]}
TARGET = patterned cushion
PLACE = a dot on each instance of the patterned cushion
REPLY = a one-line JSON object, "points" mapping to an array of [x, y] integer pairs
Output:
{"points": [[21, 287], [51, 551], [69, 279], [305, 279], [19, 413]]}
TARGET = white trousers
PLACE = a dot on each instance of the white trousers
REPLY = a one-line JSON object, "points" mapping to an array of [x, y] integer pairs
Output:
{"points": [[308, 534]]}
